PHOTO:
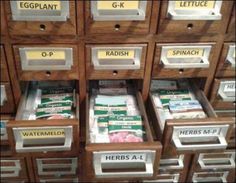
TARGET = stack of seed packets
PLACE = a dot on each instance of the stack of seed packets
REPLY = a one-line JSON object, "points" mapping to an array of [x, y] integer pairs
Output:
{"points": [[116, 119], [55, 103]]}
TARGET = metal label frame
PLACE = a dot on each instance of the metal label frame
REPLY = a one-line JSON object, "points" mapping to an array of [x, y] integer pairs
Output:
{"points": [[41, 15], [230, 57], [4, 135], [174, 179], [121, 15], [167, 164], [27, 67], [16, 169], [3, 95], [226, 97], [223, 178], [191, 14]]}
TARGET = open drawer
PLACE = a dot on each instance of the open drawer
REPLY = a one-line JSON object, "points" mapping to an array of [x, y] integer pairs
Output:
{"points": [[188, 135], [122, 159], [41, 126], [223, 94]]}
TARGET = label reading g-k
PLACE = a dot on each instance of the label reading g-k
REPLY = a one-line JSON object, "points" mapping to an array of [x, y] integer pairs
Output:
{"points": [[39, 5], [199, 131], [185, 52], [115, 54], [117, 5], [124, 157], [204, 4], [45, 55], [39, 134]]}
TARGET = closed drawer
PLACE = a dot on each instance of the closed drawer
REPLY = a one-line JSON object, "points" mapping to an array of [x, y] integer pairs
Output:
{"points": [[120, 160], [46, 62], [117, 17], [226, 65], [3, 66], [7, 101], [41, 130], [13, 168], [183, 60], [223, 94], [182, 134], [41, 18], [195, 17], [56, 168], [116, 61]]}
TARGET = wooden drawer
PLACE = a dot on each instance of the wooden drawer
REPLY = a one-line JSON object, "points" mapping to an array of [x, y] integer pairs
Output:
{"points": [[187, 19], [223, 94], [13, 168], [64, 168], [28, 18], [226, 65], [168, 177], [183, 60], [27, 135], [3, 66], [120, 61], [117, 17], [46, 62], [7, 101], [104, 161], [190, 135]]}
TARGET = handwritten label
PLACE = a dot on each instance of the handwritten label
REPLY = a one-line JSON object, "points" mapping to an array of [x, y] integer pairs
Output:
{"points": [[115, 54], [204, 4], [230, 87], [185, 52], [45, 55], [199, 131], [40, 134], [39, 5], [117, 5], [124, 157]]}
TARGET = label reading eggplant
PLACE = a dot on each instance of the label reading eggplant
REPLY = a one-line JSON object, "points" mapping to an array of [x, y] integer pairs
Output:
{"points": [[40, 134], [185, 52], [116, 54], [39, 5], [45, 55], [203, 4], [117, 5], [124, 157], [199, 131]]}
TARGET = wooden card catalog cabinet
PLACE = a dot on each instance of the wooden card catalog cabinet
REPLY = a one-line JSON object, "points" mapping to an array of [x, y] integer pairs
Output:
{"points": [[193, 17], [42, 17], [118, 17]]}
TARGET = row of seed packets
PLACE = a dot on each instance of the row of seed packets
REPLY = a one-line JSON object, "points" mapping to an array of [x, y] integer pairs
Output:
{"points": [[114, 118], [55, 103], [175, 100]]}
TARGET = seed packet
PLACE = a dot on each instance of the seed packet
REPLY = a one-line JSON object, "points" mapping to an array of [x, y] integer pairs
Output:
{"points": [[100, 110], [176, 106], [103, 125], [57, 98]]}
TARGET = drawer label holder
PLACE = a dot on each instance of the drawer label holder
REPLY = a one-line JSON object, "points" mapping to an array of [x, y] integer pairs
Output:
{"points": [[217, 176], [10, 171], [3, 95], [231, 55], [4, 135], [227, 90]]}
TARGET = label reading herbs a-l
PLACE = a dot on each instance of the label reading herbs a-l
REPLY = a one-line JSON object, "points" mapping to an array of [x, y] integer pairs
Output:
{"points": [[124, 157], [199, 131], [39, 5], [185, 53], [117, 5], [204, 4]]}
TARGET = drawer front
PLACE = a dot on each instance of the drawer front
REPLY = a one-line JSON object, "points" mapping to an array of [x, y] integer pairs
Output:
{"points": [[42, 18], [3, 65], [183, 17], [56, 167], [7, 101], [13, 168], [226, 66], [48, 62], [182, 60], [115, 61], [116, 17], [41, 136], [167, 177], [173, 163], [223, 94]]}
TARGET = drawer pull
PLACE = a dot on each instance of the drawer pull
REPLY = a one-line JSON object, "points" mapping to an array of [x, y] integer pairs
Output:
{"points": [[231, 55], [119, 58], [206, 177], [109, 164], [42, 27], [39, 139], [181, 71], [227, 90], [117, 27], [210, 163], [191, 137], [14, 169], [108, 11], [178, 12], [190, 26], [48, 73], [29, 11], [182, 57], [115, 73], [54, 168], [3, 95], [173, 163]]}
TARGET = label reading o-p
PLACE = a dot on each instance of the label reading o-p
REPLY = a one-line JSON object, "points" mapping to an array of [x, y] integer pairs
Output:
{"points": [[116, 54], [41, 134], [39, 5], [117, 5], [45, 55], [185, 5], [185, 52]]}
